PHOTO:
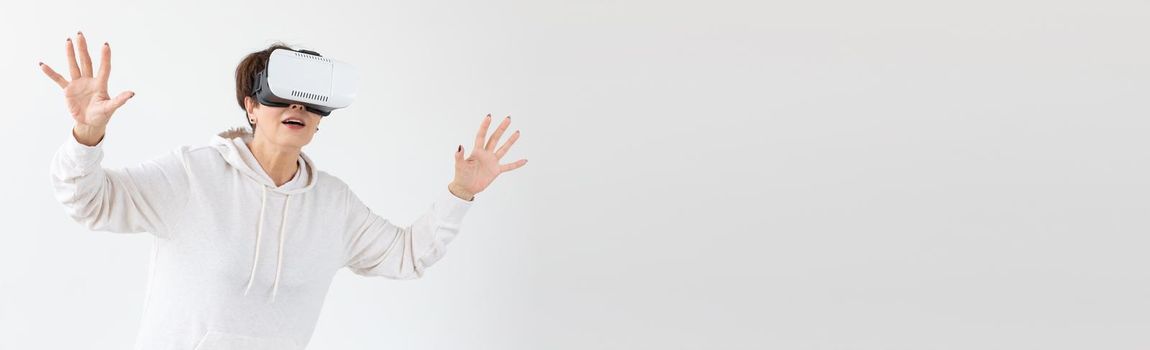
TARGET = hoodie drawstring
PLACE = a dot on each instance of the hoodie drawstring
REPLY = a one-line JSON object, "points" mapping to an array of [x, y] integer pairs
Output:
{"points": [[259, 234], [280, 258], [259, 237]]}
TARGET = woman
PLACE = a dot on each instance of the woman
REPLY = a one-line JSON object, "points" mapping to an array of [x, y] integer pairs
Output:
{"points": [[249, 233]]}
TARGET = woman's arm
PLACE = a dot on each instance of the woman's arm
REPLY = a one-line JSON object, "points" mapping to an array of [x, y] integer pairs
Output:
{"points": [[136, 199], [376, 247], [146, 197]]}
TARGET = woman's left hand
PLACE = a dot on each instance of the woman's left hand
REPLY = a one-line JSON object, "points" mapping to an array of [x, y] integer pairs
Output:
{"points": [[474, 173]]}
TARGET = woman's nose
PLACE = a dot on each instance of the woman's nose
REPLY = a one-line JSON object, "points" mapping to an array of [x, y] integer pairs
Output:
{"points": [[296, 106]]}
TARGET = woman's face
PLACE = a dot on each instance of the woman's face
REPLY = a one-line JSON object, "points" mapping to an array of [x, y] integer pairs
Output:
{"points": [[282, 125]]}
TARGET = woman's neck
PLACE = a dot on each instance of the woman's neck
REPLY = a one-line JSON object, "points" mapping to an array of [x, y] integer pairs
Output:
{"points": [[281, 163]]}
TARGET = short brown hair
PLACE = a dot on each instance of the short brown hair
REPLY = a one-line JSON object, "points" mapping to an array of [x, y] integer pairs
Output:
{"points": [[246, 74]]}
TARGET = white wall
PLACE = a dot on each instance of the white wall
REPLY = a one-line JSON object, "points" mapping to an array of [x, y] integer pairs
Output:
{"points": [[710, 175]]}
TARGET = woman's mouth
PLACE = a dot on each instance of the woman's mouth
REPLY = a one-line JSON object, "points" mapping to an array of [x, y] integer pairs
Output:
{"points": [[294, 124]]}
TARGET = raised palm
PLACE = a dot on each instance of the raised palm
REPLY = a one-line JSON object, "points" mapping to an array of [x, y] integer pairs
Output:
{"points": [[474, 173], [87, 92]]}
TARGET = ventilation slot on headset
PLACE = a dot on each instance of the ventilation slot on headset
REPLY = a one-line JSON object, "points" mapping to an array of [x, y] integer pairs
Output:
{"points": [[309, 95], [317, 58]]}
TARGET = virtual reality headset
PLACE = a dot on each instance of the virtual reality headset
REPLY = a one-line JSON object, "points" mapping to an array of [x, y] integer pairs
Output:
{"points": [[304, 77]]}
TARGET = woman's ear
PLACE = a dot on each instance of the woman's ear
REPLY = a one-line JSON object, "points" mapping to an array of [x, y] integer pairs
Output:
{"points": [[250, 106]]}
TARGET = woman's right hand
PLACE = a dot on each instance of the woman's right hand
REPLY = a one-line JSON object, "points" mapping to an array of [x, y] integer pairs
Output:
{"points": [[87, 93]]}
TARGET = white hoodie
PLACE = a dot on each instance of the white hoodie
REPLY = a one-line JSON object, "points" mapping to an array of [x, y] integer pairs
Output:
{"points": [[239, 263]]}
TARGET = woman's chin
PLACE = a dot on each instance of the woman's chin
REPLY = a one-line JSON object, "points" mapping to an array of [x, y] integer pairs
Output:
{"points": [[285, 137]]}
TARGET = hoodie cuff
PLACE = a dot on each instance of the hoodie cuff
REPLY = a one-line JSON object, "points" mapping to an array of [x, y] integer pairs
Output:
{"points": [[82, 156], [450, 208]]}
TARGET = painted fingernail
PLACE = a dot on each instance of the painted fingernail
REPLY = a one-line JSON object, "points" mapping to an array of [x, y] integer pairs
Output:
{"points": [[80, 32], [41, 63], [105, 43]]}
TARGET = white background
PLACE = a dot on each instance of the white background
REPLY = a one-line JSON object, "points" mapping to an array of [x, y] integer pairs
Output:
{"points": [[710, 175]]}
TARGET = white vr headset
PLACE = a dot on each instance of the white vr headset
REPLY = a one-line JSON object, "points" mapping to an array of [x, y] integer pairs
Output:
{"points": [[304, 77]]}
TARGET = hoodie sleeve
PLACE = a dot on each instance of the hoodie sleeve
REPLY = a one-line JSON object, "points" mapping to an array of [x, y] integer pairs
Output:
{"points": [[143, 198], [379, 248]]}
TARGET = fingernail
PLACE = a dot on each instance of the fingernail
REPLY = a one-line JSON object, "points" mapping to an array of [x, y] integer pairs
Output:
{"points": [[105, 43], [460, 149], [69, 39], [488, 115], [80, 33], [41, 63]]}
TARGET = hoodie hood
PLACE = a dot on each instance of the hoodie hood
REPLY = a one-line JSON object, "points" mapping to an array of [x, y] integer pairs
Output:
{"points": [[228, 143]]}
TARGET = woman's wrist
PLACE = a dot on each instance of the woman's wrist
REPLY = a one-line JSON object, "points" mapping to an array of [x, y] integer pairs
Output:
{"points": [[459, 192], [88, 135]]}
